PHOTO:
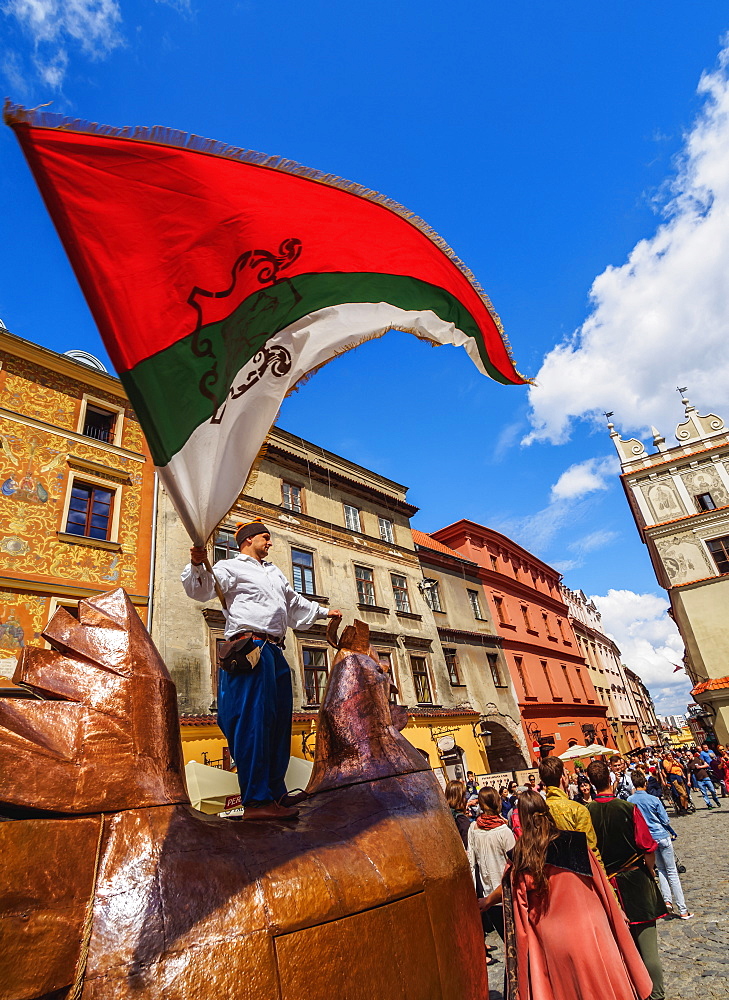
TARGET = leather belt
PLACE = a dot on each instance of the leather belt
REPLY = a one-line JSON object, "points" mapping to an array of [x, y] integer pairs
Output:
{"points": [[275, 640]]}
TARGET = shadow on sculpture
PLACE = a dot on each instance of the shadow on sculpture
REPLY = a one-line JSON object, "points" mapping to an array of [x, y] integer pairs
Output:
{"points": [[114, 887]]}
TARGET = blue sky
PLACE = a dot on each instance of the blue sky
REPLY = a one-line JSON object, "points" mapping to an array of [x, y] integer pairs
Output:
{"points": [[567, 152]]}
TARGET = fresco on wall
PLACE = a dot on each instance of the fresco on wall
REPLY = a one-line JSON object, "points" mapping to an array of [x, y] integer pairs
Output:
{"points": [[663, 502], [684, 558], [22, 618], [707, 481]]}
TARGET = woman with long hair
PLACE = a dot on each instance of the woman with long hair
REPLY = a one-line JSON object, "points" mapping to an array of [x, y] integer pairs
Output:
{"points": [[489, 840], [455, 793], [584, 790], [566, 936]]}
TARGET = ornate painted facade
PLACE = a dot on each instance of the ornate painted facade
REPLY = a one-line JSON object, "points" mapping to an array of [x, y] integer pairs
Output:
{"points": [[50, 404], [679, 497]]}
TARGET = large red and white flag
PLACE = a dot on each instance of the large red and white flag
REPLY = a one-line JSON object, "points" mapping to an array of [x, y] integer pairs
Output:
{"points": [[219, 278]]}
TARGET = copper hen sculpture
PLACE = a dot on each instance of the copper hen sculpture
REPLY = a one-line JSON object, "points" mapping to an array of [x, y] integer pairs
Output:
{"points": [[115, 888]]}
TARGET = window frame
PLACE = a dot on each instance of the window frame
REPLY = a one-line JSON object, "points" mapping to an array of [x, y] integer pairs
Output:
{"points": [[316, 670], [524, 678], [107, 407], [475, 603], [723, 541], [452, 666], [286, 484], [429, 593], [497, 675], [370, 581], [357, 519], [312, 569], [698, 497], [501, 615], [400, 593], [544, 664], [415, 674], [80, 481], [388, 535], [234, 549]]}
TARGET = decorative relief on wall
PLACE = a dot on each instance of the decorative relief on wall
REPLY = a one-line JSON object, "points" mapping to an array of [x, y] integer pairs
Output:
{"points": [[684, 558], [132, 437], [32, 399], [33, 483], [22, 618], [36, 376], [706, 480], [663, 501]]}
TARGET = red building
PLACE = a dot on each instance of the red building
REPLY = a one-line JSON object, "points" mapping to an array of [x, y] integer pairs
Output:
{"points": [[557, 699]]}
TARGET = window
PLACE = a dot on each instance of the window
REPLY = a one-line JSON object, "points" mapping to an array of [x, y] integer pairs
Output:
{"points": [[526, 687], [495, 670], [500, 612], [581, 679], [525, 616], [400, 590], [431, 594], [365, 585], [351, 518], [386, 530], [451, 659], [385, 658], [548, 678], [494, 563], [302, 564], [315, 674], [291, 497], [89, 511], [705, 501], [719, 549], [420, 678], [571, 690], [475, 603], [224, 546], [545, 619], [99, 423], [561, 629]]}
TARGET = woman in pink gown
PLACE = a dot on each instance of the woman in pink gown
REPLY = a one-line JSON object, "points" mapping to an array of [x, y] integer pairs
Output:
{"points": [[566, 936]]}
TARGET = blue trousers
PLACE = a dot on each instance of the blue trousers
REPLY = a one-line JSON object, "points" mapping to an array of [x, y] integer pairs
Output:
{"points": [[706, 787], [254, 712]]}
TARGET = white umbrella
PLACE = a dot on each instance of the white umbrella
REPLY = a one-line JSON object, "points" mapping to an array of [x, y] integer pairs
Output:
{"points": [[597, 749], [574, 752]]}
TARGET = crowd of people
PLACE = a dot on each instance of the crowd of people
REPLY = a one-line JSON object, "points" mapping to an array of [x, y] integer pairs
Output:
{"points": [[567, 858]]}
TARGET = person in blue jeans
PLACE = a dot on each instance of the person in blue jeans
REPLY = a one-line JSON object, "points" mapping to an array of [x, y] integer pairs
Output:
{"points": [[700, 770], [656, 818]]}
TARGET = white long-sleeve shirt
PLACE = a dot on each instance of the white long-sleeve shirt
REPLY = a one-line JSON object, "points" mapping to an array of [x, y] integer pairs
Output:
{"points": [[259, 597]]}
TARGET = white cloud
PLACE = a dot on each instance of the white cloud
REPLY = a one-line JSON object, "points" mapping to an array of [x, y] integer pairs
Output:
{"points": [[660, 319], [55, 25], [585, 477], [650, 644], [569, 502]]}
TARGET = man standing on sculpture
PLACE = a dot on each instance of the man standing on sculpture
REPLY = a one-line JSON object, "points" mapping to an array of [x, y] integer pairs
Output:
{"points": [[255, 705]]}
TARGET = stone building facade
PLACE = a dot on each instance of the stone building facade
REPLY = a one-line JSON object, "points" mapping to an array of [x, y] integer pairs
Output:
{"points": [[76, 495], [625, 730], [472, 650], [557, 700], [679, 497], [341, 534]]}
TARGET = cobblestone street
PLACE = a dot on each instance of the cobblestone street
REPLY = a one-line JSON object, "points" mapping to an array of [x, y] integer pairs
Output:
{"points": [[695, 952]]}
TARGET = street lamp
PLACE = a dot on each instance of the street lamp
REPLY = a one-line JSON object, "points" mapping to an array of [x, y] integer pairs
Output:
{"points": [[480, 732]]}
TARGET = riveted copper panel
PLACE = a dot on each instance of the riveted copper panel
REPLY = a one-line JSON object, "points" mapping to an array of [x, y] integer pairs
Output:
{"points": [[372, 877]]}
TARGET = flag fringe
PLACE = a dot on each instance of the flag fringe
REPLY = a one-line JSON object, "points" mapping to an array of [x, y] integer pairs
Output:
{"points": [[16, 115]]}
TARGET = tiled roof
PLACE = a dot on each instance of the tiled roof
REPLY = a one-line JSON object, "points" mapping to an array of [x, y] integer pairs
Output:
{"points": [[438, 713], [713, 684], [198, 720], [428, 542]]}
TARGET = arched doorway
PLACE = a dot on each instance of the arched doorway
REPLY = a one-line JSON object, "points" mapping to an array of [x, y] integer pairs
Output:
{"points": [[504, 754]]}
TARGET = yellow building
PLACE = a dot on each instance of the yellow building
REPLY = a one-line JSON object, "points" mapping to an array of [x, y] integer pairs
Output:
{"points": [[679, 497], [76, 491], [341, 533]]}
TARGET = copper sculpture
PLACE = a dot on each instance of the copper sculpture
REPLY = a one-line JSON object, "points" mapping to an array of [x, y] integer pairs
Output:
{"points": [[115, 888]]}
